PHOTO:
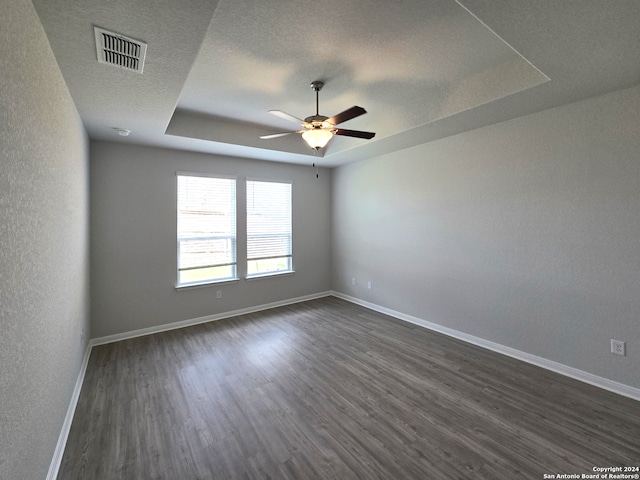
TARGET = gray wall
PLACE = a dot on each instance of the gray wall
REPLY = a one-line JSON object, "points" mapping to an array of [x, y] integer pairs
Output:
{"points": [[44, 245], [133, 232], [525, 233]]}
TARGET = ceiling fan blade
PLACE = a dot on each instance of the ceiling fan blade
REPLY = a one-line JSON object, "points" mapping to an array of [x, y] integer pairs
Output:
{"points": [[354, 133], [281, 134], [348, 114], [286, 116]]}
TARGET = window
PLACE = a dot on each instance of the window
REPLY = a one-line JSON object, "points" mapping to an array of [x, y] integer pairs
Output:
{"points": [[206, 229], [268, 228]]}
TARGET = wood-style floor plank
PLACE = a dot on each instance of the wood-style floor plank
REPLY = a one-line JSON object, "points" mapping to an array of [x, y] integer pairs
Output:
{"points": [[329, 390]]}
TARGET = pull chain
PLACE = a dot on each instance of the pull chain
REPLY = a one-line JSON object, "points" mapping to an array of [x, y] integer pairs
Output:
{"points": [[315, 164]]}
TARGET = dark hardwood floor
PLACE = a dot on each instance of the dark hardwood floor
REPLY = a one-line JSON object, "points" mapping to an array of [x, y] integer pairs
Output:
{"points": [[329, 390]]}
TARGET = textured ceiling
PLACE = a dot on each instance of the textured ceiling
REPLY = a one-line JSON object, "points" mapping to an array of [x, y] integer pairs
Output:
{"points": [[422, 69]]}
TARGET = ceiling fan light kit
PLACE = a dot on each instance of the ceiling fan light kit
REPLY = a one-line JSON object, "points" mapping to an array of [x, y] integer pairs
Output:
{"points": [[317, 138], [318, 129]]}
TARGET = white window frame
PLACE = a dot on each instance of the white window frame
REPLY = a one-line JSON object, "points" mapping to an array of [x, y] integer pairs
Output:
{"points": [[231, 238], [289, 269]]}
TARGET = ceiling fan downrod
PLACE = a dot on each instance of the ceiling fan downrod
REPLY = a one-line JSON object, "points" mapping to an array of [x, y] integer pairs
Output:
{"points": [[317, 86]]}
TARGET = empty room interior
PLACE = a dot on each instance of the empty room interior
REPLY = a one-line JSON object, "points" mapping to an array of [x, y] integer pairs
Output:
{"points": [[269, 239]]}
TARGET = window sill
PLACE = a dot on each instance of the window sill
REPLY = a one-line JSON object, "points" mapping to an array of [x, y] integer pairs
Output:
{"points": [[206, 284], [269, 275]]}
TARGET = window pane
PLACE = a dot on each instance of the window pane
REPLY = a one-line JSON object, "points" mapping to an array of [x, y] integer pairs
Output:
{"points": [[206, 252], [269, 245], [206, 229], [203, 274], [258, 267]]}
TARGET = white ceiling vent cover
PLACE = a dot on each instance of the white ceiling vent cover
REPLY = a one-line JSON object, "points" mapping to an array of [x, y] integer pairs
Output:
{"points": [[120, 51]]}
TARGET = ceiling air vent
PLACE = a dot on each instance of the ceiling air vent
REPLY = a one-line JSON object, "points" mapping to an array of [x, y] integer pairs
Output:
{"points": [[115, 49]]}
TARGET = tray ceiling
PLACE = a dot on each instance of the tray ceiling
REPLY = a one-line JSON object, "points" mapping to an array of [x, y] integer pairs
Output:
{"points": [[423, 70]]}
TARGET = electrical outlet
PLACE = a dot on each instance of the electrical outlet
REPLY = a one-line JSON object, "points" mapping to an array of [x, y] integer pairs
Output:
{"points": [[369, 285], [617, 347], [353, 281], [219, 294]]}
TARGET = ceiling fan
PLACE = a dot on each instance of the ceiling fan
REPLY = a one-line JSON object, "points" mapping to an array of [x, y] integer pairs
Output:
{"points": [[318, 129]]}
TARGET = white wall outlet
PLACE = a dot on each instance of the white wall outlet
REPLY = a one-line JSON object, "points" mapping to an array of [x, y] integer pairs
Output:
{"points": [[219, 294], [353, 281], [369, 284], [617, 347]]}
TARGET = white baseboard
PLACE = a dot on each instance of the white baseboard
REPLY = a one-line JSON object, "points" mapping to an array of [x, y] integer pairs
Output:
{"points": [[586, 377], [209, 318], [54, 467]]}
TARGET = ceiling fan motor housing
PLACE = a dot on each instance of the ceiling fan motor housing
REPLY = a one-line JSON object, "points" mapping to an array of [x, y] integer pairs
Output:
{"points": [[319, 121]]}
